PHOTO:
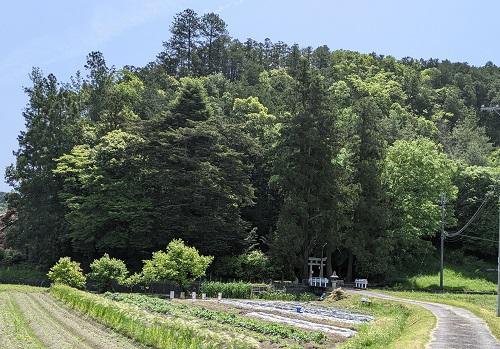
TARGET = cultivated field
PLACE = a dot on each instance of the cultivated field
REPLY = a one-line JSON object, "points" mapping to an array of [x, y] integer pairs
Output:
{"points": [[31, 318], [62, 317]]}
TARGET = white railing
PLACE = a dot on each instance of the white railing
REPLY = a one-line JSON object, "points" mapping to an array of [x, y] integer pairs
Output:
{"points": [[318, 282], [361, 283]]}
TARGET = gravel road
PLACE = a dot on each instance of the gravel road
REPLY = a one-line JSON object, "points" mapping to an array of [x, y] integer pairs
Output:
{"points": [[456, 328]]}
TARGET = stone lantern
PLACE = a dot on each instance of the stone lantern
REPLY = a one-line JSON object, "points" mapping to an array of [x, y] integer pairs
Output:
{"points": [[333, 278]]}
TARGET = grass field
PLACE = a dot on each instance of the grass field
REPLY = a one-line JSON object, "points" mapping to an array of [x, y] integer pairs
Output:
{"points": [[471, 275]]}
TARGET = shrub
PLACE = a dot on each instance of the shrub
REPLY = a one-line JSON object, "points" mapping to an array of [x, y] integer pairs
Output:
{"points": [[180, 263], [106, 271], [228, 289], [133, 280], [254, 265], [67, 272], [9, 256]]}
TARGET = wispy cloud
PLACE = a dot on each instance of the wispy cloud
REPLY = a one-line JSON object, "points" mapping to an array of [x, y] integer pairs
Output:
{"points": [[221, 8], [109, 20]]}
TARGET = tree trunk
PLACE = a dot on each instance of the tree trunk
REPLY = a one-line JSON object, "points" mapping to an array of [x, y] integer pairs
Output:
{"points": [[329, 266], [350, 262]]}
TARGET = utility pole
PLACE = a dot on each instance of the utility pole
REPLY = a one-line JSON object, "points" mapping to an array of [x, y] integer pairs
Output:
{"points": [[498, 261], [496, 109], [443, 206]]}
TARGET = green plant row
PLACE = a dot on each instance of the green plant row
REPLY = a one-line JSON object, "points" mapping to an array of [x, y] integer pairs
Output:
{"points": [[283, 296], [181, 310], [243, 290], [228, 289], [146, 329]]}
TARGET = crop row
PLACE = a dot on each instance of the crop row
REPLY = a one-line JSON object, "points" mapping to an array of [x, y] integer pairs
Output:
{"points": [[163, 306], [145, 328]]}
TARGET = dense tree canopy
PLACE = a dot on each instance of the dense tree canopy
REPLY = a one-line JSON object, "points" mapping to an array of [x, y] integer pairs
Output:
{"points": [[236, 147]]}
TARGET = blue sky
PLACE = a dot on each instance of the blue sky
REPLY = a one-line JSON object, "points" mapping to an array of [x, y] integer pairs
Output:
{"points": [[56, 35]]}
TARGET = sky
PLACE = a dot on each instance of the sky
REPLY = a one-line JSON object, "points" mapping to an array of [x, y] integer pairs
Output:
{"points": [[56, 35]]}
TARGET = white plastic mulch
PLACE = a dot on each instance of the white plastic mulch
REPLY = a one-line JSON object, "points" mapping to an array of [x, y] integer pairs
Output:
{"points": [[344, 332], [308, 311]]}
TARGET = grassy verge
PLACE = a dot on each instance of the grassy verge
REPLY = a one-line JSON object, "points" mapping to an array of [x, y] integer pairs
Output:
{"points": [[395, 326], [235, 321], [145, 328], [483, 306], [454, 280]]}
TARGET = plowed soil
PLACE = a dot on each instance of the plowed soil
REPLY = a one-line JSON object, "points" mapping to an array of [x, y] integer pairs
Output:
{"points": [[36, 320]]}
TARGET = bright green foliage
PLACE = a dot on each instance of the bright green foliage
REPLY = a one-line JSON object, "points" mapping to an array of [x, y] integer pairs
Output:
{"points": [[106, 271], [253, 265], [228, 289], [415, 174], [106, 206], [67, 272], [133, 280], [476, 184], [180, 263]]}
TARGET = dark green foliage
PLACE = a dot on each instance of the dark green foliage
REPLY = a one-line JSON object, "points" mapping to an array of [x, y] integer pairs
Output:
{"points": [[305, 175], [197, 181], [3, 203]]}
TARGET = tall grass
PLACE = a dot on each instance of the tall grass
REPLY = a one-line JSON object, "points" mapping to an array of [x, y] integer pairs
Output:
{"points": [[228, 289], [145, 328]]}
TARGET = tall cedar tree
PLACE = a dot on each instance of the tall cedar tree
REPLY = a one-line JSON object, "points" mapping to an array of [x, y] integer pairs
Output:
{"points": [[197, 182], [304, 172], [51, 119]]}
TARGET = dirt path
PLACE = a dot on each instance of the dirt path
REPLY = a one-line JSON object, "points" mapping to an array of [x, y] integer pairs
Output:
{"points": [[48, 324], [456, 328]]}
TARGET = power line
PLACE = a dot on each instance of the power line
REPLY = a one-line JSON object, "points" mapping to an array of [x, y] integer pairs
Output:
{"points": [[478, 238], [474, 216]]}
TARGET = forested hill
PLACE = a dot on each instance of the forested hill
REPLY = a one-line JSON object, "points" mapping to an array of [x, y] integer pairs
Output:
{"points": [[237, 146]]}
